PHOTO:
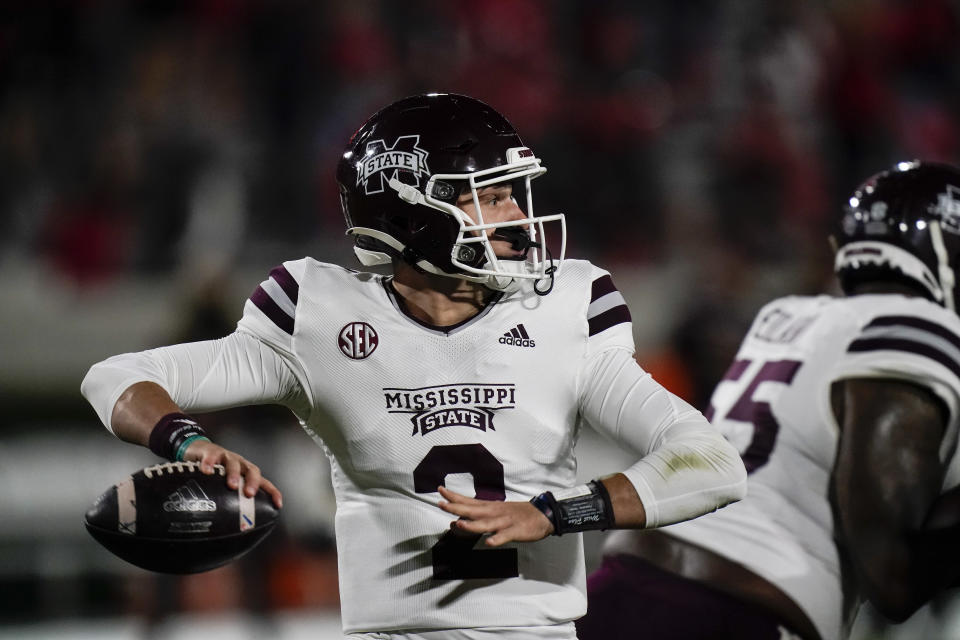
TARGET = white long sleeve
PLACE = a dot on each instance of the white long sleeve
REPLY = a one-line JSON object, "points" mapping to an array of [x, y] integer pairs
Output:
{"points": [[688, 468], [199, 376]]}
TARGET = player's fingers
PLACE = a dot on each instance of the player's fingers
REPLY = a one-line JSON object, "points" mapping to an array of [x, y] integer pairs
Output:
{"points": [[471, 511], [211, 457], [446, 493], [206, 456], [454, 508], [453, 496], [252, 478], [231, 464], [273, 492], [470, 526], [486, 525]]}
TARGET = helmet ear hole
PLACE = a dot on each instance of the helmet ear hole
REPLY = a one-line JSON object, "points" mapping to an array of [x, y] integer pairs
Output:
{"points": [[466, 254], [446, 191]]}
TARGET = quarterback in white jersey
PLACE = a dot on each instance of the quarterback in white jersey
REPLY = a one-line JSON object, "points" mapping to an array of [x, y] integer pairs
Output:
{"points": [[845, 411], [448, 396]]}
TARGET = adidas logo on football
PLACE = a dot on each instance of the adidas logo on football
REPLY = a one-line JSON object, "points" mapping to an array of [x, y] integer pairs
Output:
{"points": [[189, 497], [517, 337]]}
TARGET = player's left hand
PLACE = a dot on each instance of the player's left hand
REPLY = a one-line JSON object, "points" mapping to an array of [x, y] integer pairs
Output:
{"points": [[507, 521]]}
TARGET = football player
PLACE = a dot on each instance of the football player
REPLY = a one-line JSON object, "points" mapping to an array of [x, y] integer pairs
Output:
{"points": [[845, 413], [456, 386]]}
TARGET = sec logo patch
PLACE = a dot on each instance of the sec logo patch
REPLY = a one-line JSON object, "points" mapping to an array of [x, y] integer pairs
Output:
{"points": [[358, 340]]}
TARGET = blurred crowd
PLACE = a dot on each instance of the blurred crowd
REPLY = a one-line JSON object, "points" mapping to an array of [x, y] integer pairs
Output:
{"points": [[192, 137], [153, 137], [708, 143]]}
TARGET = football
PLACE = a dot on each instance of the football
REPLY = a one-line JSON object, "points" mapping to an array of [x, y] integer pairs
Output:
{"points": [[171, 518]]}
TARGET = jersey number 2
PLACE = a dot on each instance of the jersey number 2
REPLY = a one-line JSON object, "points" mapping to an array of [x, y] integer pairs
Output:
{"points": [[454, 557], [759, 414]]}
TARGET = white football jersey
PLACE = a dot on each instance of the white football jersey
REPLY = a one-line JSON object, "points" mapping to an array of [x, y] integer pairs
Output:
{"points": [[774, 405], [490, 408]]}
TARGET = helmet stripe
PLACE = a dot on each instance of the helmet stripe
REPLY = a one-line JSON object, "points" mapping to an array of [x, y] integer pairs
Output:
{"points": [[943, 264]]}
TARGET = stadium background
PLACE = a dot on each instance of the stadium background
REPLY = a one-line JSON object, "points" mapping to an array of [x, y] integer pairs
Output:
{"points": [[158, 158]]}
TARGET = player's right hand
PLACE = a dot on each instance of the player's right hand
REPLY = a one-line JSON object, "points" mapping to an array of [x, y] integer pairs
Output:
{"points": [[209, 454]]}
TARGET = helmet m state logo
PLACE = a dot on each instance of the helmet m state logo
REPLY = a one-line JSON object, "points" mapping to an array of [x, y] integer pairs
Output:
{"points": [[948, 208], [451, 405], [381, 162]]}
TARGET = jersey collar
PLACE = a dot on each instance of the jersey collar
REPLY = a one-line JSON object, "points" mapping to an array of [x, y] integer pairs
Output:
{"points": [[401, 306]]}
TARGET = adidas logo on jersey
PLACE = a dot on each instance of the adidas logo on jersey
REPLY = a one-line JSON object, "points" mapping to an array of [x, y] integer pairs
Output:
{"points": [[517, 337], [189, 497]]}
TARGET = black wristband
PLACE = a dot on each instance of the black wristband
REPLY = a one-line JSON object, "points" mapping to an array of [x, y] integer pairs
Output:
{"points": [[582, 508], [173, 433]]}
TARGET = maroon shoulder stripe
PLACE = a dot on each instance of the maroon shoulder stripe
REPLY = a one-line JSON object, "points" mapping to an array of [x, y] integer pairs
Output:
{"points": [[898, 344], [272, 310], [610, 317], [917, 323], [286, 282], [601, 287]]}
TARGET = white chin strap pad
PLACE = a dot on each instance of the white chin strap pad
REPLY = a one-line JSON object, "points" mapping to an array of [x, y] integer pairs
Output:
{"points": [[881, 254], [370, 258]]}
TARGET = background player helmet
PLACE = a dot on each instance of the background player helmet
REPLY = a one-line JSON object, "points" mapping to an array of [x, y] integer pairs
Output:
{"points": [[403, 171], [903, 224]]}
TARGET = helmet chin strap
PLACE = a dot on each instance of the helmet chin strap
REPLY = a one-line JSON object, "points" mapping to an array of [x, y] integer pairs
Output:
{"points": [[407, 193], [371, 258], [944, 271]]}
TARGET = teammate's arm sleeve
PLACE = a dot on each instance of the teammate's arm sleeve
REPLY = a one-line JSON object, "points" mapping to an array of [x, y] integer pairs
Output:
{"points": [[199, 376], [687, 467]]}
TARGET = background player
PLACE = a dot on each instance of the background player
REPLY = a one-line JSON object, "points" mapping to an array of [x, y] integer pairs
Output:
{"points": [[845, 413], [425, 391]]}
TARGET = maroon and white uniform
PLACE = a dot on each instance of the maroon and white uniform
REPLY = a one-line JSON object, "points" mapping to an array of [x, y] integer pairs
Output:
{"points": [[774, 405], [491, 408]]}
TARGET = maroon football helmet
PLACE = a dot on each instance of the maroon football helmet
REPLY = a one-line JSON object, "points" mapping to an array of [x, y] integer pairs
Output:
{"points": [[403, 171], [904, 224]]}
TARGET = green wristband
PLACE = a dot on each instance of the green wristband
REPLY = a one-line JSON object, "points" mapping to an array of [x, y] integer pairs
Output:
{"points": [[186, 443]]}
